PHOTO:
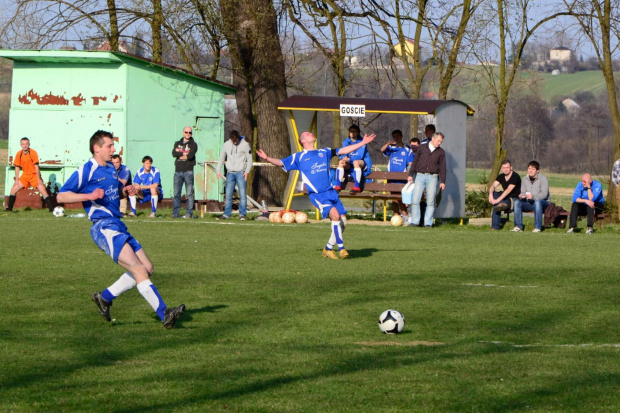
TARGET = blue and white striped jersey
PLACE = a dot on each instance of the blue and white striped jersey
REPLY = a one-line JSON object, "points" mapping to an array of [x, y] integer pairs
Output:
{"points": [[91, 176], [313, 167], [399, 158], [144, 178]]}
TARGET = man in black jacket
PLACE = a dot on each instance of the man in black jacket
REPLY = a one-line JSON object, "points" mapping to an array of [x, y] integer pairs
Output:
{"points": [[184, 152]]}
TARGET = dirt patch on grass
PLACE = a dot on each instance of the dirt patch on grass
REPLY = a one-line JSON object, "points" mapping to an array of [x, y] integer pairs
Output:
{"points": [[405, 344], [4, 156]]}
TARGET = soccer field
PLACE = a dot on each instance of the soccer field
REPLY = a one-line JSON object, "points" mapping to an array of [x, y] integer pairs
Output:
{"points": [[496, 321]]}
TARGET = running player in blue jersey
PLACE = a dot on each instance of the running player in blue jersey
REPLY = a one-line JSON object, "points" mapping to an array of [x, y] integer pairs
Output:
{"points": [[358, 159], [148, 186], [401, 156], [96, 185], [313, 165]]}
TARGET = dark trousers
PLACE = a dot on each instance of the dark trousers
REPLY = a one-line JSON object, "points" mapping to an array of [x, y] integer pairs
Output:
{"points": [[579, 209]]}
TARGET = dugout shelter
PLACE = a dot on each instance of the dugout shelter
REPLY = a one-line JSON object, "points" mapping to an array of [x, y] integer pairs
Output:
{"points": [[450, 119], [61, 97]]}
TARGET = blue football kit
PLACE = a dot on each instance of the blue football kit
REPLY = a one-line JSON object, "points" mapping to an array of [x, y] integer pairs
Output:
{"points": [[399, 158], [125, 174], [108, 231], [314, 168], [358, 154], [148, 178]]}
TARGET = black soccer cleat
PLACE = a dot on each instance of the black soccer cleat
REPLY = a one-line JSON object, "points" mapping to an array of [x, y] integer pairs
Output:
{"points": [[171, 316], [103, 305]]}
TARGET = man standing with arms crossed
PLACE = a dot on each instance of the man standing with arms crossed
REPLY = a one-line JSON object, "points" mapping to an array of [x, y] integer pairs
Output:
{"points": [[96, 185], [28, 161], [185, 153]]}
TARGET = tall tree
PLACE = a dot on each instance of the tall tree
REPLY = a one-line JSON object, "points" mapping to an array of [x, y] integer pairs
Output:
{"points": [[257, 64], [325, 24], [598, 20], [505, 28]]}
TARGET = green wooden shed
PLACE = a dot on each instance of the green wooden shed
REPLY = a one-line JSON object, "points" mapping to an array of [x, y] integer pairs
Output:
{"points": [[61, 97]]}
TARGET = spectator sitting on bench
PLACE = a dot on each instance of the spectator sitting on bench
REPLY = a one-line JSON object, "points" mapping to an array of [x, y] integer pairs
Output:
{"points": [[358, 160], [401, 158], [587, 198], [534, 196], [511, 184]]}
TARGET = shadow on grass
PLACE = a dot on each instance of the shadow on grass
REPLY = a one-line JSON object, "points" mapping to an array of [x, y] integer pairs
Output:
{"points": [[190, 312], [363, 253]]}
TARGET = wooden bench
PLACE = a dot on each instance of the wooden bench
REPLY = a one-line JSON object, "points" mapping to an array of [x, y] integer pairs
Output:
{"points": [[378, 189]]}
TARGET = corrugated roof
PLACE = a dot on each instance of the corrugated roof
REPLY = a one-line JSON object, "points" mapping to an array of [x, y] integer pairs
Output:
{"points": [[373, 105]]}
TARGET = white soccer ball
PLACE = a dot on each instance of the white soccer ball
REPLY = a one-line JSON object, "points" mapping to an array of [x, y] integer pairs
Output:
{"points": [[272, 217], [59, 212], [288, 218], [301, 217], [396, 221], [391, 322]]}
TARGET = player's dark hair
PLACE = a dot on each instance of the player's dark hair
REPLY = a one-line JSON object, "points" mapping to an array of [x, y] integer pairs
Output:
{"points": [[416, 140], [117, 156], [147, 158], [431, 127], [234, 134], [355, 127], [397, 131], [25, 139], [506, 161], [535, 164], [98, 138]]}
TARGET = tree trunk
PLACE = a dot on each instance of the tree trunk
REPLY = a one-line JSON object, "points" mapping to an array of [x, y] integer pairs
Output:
{"points": [[250, 28], [156, 23], [114, 35]]}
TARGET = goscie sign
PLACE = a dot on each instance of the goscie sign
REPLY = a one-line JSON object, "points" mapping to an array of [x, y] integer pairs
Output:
{"points": [[353, 111]]}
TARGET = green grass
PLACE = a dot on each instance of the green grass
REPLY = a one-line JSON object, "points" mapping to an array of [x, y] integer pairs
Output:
{"points": [[4, 144], [273, 326]]}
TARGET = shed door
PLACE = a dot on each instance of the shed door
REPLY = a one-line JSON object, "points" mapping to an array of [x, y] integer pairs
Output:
{"points": [[208, 134]]}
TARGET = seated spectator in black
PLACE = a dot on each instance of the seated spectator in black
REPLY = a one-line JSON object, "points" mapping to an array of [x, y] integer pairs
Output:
{"points": [[511, 184], [587, 199], [534, 197]]}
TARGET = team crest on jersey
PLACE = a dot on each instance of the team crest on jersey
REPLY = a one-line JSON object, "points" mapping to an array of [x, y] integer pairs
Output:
{"points": [[403, 153], [320, 155]]}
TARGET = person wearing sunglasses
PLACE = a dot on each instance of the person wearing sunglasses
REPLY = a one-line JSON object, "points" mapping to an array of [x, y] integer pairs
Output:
{"points": [[184, 152]]}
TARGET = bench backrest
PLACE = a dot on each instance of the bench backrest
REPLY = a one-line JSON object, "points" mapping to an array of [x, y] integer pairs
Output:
{"points": [[379, 182]]}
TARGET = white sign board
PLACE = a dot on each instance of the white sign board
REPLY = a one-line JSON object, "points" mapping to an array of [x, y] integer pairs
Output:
{"points": [[353, 111]]}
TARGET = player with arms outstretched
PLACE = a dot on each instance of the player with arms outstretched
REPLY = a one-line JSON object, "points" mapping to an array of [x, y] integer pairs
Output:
{"points": [[96, 185], [313, 165]]}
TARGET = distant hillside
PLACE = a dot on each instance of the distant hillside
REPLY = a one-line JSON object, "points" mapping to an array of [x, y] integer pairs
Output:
{"points": [[465, 88]]}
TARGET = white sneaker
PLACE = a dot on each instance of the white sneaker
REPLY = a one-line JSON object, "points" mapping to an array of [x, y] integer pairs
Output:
{"points": [[535, 230], [516, 229], [152, 215], [570, 230], [590, 230]]}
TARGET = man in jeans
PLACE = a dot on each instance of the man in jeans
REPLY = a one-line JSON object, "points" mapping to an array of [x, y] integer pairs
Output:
{"points": [[429, 169], [587, 198], [185, 153], [238, 157], [510, 182], [534, 196]]}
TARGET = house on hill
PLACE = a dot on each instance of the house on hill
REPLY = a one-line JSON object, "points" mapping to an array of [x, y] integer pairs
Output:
{"points": [[561, 54]]}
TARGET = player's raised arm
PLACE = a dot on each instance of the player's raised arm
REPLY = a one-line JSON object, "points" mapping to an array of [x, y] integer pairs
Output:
{"points": [[348, 149], [261, 154]]}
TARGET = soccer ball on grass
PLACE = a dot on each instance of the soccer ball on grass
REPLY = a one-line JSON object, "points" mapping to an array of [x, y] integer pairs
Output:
{"points": [[391, 322], [59, 212], [396, 221]]}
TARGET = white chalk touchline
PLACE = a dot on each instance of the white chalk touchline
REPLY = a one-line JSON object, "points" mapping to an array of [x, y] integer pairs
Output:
{"points": [[582, 345], [500, 286]]}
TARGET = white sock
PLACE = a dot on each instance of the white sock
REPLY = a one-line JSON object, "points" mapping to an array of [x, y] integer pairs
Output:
{"points": [[123, 284], [154, 203], [340, 174], [132, 203], [358, 176], [151, 295]]}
